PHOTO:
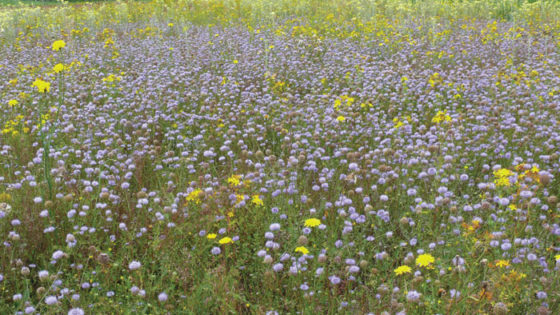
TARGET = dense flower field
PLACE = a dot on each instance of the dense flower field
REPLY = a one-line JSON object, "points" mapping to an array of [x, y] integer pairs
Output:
{"points": [[277, 157]]}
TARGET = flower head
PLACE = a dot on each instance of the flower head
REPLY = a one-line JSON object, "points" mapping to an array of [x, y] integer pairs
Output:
{"points": [[162, 297], [312, 222], [234, 180], [58, 68], [42, 86], [425, 260], [134, 265], [194, 196], [257, 200], [502, 263], [440, 117], [402, 270], [503, 172], [57, 45], [225, 240], [413, 296], [302, 250], [76, 311]]}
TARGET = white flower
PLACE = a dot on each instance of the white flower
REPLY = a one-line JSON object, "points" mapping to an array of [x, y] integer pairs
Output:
{"points": [[58, 254], [413, 296], [43, 275], [5, 207], [135, 290], [50, 300], [275, 227], [76, 311], [134, 265]]}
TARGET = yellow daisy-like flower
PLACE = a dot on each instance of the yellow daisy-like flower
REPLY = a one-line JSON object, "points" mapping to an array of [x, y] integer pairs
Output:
{"points": [[59, 44], [502, 181], [211, 236], [503, 172], [12, 103], [257, 200], [194, 196], [302, 250], [312, 222], [234, 180], [502, 177], [557, 257], [402, 270], [58, 68], [440, 117], [42, 86], [341, 118], [225, 240], [112, 78], [502, 263], [425, 260]]}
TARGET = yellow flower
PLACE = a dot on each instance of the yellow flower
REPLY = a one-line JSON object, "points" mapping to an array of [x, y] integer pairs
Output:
{"points": [[502, 181], [257, 200], [502, 177], [425, 260], [211, 236], [402, 270], [194, 196], [234, 180], [312, 222], [302, 250], [58, 68], [12, 103], [341, 118], [503, 172], [5, 197], [111, 78], [397, 123], [225, 240], [57, 45], [441, 116], [502, 263], [557, 257], [239, 198], [42, 86], [337, 103]]}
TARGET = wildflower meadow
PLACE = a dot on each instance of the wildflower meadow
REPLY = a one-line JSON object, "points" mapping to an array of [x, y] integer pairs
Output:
{"points": [[280, 157]]}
